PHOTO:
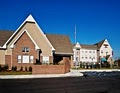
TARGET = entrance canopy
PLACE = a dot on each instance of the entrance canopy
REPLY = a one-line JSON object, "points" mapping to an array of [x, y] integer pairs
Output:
{"points": [[103, 59]]}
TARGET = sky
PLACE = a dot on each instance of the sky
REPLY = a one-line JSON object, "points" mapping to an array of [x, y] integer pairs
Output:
{"points": [[95, 20]]}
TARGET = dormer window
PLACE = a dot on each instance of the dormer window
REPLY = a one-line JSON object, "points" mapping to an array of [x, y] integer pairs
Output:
{"points": [[106, 45], [25, 49], [101, 51]]}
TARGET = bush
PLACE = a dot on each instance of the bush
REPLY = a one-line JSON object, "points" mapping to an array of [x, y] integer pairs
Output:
{"points": [[0, 68], [30, 69], [14, 68], [21, 69], [5, 67], [26, 69]]}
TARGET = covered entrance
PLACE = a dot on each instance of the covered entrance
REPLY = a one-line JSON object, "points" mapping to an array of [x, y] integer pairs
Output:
{"points": [[59, 57]]}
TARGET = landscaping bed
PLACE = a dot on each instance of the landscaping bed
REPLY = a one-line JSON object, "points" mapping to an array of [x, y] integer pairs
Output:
{"points": [[15, 73]]}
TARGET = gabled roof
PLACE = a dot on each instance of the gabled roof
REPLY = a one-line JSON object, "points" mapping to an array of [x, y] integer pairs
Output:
{"points": [[61, 43], [86, 46], [36, 46], [31, 20], [99, 44], [4, 36]]}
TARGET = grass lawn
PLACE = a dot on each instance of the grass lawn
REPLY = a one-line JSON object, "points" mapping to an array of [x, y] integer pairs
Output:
{"points": [[15, 73]]}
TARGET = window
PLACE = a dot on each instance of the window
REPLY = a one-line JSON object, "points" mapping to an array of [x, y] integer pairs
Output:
{"points": [[101, 51], [19, 58], [86, 57], [106, 46], [82, 57], [45, 59], [77, 53], [90, 57], [25, 59], [31, 59], [85, 51], [93, 51], [25, 49], [90, 52]]}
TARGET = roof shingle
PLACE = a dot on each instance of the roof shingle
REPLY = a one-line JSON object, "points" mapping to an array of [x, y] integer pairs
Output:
{"points": [[4, 36], [61, 43], [86, 46], [99, 44]]}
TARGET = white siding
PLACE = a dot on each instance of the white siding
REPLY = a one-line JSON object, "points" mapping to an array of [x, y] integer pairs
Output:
{"points": [[105, 51], [88, 55], [2, 57]]}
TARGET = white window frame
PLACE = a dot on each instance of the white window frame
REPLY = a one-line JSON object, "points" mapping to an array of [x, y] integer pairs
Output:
{"points": [[25, 49], [31, 59], [25, 59], [46, 59], [19, 58]]}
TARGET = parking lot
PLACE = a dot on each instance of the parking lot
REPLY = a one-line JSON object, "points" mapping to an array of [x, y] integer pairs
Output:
{"points": [[61, 85], [102, 74]]}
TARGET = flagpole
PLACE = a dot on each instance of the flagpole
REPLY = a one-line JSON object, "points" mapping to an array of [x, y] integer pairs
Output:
{"points": [[75, 34], [75, 50]]}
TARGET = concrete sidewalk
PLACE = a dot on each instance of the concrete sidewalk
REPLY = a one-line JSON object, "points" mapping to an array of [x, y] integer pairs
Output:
{"points": [[70, 74]]}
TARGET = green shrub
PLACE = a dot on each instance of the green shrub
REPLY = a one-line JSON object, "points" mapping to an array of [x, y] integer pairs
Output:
{"points": [[0, 68], [14, 68], [26, 69], [21, 69], [30, 69], [5, 67]]}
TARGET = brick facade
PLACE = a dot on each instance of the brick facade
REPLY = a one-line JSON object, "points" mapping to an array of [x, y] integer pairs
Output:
{"points": [[23, 41], [8, 60], [52, 69]]}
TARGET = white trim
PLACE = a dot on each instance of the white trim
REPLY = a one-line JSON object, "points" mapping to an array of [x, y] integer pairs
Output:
{"points": [[2, 48], [25, 59], [36, 46], [30, 19], [19, 58], [63, 53]]}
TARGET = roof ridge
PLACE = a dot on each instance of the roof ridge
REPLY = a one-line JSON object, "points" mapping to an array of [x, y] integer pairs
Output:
{"points": [[100, 41]]}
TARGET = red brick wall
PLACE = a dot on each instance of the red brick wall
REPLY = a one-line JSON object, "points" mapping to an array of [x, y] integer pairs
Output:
{"points": [[23, 41], [67, 64], [8, 60], [52, 69], [48, 69]]}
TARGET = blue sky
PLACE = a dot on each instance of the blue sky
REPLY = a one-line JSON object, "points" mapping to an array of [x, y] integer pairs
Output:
{"points": [[95, 20]]}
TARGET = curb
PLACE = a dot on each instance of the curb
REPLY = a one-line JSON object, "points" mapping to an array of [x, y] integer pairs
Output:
{"points": [[70, 74]]}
